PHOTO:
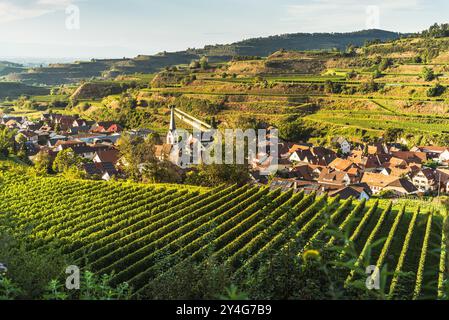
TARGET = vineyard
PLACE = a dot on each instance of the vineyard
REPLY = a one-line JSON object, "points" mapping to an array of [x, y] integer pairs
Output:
{"points": [[141, 232]]}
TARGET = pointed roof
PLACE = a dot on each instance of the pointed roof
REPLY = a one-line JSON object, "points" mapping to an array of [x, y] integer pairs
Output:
{"points": [[172, 119]]}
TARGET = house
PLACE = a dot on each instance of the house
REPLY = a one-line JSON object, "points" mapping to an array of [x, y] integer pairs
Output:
{"points": [[283, 184], [356, 192], [64, 123], [110, 155], [79, 123], [105, 170], [426, 180], [368, 162], [443, 178], [312, 155], [300, 154], [162, 152], [106, 127], [323, 156], [306, 172], [62, 144], [79, 130], [31, 126], [402, 187], [411, 157], [378, 149], [30, 136], [115, 128], [376, 181], [440, 154], [345, 146], [397, 172], [342, 165], [334, 178], [53, 139]]}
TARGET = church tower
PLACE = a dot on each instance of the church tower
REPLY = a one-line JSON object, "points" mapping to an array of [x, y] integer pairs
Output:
{"points": [[172, 136]]}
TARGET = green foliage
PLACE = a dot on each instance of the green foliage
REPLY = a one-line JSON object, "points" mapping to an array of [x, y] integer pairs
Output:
{"points": [[66, 160], [6, 141], [437, 31], [204, 63], [431, 164], [333, 88], [436, 91], [428, 74], [385, 64], [392, 135], [42, 163], [297, 130], [216, 174]]}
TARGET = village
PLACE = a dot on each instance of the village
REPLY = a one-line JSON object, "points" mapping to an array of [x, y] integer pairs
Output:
{"points": [[350, 170]]}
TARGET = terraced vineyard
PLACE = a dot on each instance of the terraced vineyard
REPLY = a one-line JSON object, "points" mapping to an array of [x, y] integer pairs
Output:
{"points": [[143, 231]]}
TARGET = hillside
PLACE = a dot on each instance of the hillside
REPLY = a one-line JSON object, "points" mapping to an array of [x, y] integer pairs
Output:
{"points": [[14, 90], [10, 67], [297, 41], [148, 234], [377, 89], [56, 74]]}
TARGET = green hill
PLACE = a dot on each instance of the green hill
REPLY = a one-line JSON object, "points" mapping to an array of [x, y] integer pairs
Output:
{"points": [[297, 41], [56, 74], [15, 90]]}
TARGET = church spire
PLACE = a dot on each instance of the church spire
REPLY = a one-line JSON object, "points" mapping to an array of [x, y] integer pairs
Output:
{"points": [[172, 119], [172, 136]]}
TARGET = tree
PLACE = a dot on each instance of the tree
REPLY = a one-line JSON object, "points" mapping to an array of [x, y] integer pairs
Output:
{"points": [[204, 63], [436, 91], [392, 134], [42, 163], [6, 141], [65, 160], [431, 164], [195, 64], [350, 50], [428, 74], [385, 64], [331, 87], [161, 172], [216, 174], [136, 151], [295, 131]]}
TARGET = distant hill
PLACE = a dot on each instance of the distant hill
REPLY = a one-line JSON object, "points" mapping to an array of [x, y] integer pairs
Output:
{"points": [[14, 90], [296, 41], [56, 74], [7, 67]]}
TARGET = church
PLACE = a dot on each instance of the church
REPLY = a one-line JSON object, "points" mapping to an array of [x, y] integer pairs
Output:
{"points": [[182, 153]]}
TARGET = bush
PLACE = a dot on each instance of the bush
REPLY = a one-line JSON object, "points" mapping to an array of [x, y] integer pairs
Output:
{"points": [[428, 74], [436, 91]]}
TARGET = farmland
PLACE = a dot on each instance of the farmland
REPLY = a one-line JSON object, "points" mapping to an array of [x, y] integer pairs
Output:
{"points": [[142, 234]]}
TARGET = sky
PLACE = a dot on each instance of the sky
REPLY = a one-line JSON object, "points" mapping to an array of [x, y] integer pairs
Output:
{"points": [[125, 28]]}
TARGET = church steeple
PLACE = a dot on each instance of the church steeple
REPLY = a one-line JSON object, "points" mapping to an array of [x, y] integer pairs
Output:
{"points": [[172, 136], [172, 119]]}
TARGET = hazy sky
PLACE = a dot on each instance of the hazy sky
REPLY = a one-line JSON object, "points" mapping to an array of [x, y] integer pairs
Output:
{"points": [[116, 28]]}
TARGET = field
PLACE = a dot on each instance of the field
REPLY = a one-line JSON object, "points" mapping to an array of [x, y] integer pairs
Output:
{"points": [[142, 232]]}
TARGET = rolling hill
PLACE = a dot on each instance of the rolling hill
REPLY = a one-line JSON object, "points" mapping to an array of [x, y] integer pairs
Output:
{"points": [[56, 74]]}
